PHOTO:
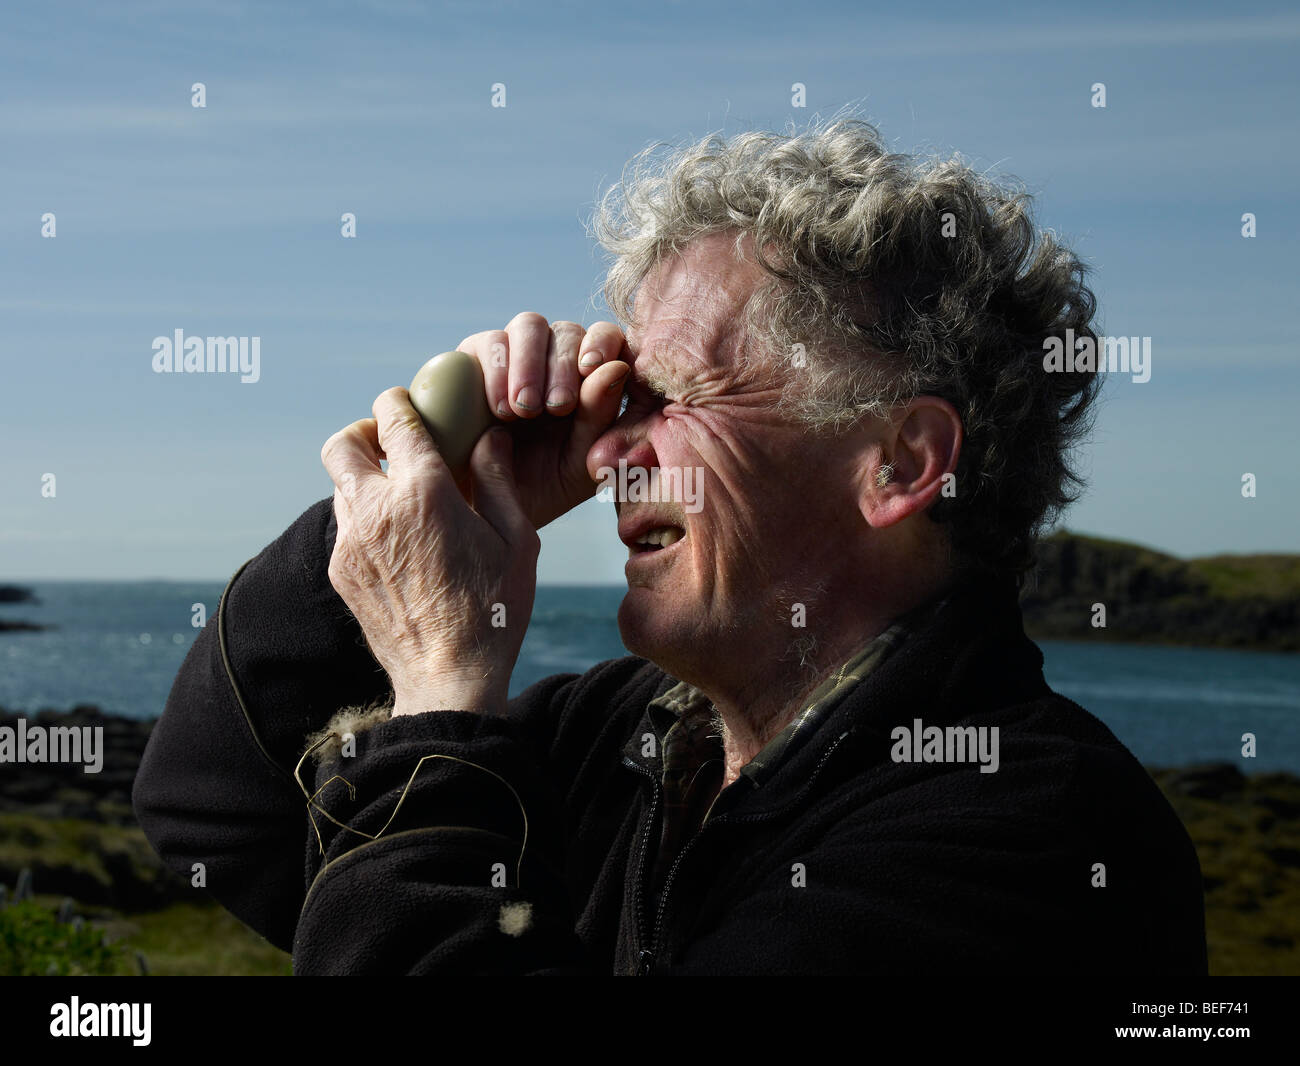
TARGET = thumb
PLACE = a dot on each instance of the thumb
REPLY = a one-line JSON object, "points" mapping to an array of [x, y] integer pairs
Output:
{"points": [[598, 402], [496, 496]]}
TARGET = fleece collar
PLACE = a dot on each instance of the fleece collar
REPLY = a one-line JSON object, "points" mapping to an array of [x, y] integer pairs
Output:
{"points": [[947, 660], [681, 704]]}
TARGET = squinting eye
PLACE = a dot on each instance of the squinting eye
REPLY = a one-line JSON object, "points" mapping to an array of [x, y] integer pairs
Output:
{"points": [[641, 396]]}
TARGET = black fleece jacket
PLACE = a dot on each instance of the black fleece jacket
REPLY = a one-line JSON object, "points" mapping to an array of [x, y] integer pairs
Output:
{"points": [[844, 861]]}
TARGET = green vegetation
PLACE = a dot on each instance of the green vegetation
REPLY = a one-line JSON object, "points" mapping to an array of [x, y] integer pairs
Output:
{"points": [[124, 896], [93, 862], [1247, 836], [194, 939], [183, 940], [35, 943], [1241, 576]]}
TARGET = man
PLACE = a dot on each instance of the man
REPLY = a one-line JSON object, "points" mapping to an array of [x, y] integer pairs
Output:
{"points": [[832, 750]]}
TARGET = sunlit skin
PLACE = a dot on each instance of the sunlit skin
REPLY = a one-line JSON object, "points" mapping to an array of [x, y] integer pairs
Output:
{"points": [[789, 517]]}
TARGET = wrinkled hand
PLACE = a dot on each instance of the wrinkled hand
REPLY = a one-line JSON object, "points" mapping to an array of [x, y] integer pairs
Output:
{"points": [[554, 406], [443, 591]]}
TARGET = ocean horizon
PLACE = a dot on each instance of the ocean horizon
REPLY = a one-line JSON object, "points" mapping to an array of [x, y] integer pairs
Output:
{"points": [[118, 645]]}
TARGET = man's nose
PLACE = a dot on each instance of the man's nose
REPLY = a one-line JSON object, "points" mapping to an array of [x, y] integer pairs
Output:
{"points": [[628, 442]]}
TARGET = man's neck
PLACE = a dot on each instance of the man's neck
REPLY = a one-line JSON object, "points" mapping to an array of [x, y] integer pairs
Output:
{"points": [[759, 708], [756, 716]]}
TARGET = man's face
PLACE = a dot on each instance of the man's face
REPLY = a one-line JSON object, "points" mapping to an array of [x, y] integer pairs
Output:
{"points": [[774, 505]]}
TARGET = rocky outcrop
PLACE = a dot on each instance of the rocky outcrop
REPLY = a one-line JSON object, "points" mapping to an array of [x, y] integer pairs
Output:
{"points": [[1244, 601]]}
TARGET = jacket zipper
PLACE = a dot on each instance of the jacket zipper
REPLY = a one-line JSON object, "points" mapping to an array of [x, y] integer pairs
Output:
{"points": [[646, 958]]}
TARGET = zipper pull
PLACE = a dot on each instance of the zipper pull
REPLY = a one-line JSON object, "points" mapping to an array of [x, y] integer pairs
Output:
{"points": [[646, 961]]}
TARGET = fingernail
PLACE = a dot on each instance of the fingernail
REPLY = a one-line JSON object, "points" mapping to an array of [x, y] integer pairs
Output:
{"points": [[559, 397], [617, 384], [592, 358], [503, 409], [527, 398]]}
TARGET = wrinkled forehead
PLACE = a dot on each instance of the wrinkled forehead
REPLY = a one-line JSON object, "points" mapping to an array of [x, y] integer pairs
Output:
{"points": [[691, 310]]}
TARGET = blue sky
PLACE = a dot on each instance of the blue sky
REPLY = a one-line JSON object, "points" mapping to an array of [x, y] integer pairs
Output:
{"points": [[225, 221]]}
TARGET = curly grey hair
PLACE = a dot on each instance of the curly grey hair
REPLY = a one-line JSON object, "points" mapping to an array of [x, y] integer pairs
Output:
{"points": [[899, 276]]}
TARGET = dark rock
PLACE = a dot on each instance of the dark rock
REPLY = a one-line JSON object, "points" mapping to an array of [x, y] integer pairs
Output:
{"points": [[1208, 780], [1289, 857], [66, 790], [1279, 805]]}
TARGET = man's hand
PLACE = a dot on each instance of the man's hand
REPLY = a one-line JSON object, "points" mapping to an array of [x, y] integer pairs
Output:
{"points": [[443, 592], [558, 388]]}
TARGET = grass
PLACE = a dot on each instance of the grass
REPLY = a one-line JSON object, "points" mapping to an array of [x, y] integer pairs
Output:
{"points": [[1249, 849], [1238, 576], [35, 943], [87, 861], [89, 853], [193, 939], [182, 940], [1265, 576]]}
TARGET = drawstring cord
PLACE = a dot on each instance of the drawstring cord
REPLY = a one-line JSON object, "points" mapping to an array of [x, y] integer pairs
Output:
{"points": [[352, 795]]}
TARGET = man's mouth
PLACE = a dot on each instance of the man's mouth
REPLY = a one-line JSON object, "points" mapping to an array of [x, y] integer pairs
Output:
{"points": [[649, 533], [658, 539]]}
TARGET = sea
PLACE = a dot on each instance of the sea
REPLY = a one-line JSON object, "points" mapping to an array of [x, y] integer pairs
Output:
{"points": [[118, 645]]}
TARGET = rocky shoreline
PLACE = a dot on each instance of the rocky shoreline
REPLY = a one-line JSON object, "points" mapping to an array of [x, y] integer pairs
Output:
{"points": [[18, 594], [64, 790], [75, 831], [76, 835], [1244, 602]]}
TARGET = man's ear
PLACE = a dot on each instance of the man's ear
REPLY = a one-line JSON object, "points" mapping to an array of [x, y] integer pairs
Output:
{"points": [[904, 473]]}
